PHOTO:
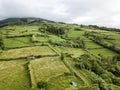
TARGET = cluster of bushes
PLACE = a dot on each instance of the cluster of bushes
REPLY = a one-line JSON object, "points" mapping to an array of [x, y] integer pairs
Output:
{"points": [[42, 85], [103, 28], [66, 44], [102, 43], [74, 43], [108, 70], [14, 36], [79, 43], [112, 64], [77, 29], [1, 43], [100, 40], [95, 27], [54, 29]]}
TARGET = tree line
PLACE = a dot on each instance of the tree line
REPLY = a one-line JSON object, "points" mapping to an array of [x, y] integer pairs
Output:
{"points": [[108, 69]]}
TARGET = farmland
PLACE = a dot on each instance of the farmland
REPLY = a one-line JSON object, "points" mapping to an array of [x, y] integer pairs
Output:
{"points": [[46, 68], [14, 75], [51, 56], [24, 52], [17, 42]]}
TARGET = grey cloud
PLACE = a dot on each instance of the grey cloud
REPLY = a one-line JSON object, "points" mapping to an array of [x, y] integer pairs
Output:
{"points": [[100, 12]]}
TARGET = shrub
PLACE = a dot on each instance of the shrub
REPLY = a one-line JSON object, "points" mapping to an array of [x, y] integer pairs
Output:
{"points": [[68, 73], [42, 85], [116, 81], [62, 56]]}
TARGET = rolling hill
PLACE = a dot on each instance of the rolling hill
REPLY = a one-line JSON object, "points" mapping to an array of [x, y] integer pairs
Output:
{"points": [[39, 54]]}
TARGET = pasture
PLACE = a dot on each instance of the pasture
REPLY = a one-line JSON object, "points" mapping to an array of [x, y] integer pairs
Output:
{"points": [[62, 82], [22, 41], [92, 45], [17, 42], [14, 76], [75, 52], [47, 67], [103, 51], [27, 51]]}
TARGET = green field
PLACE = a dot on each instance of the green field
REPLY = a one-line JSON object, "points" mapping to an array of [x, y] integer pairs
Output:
{"points": [[25, 52], [75, 34], [53, 38], [13, 76], [46, 68], [17, 42], [75, 52], [49, 56], [92, 45], [63, 82], [104, 52], [22, 27]]}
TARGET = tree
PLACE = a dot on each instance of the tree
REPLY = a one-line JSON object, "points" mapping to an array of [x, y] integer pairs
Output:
{"points": [[102, 85], [82, 44], [86, 34], [62, 56], [116, 81], [42, 85], [54, 29], [80, 65], [1, 43], [79, 43]]}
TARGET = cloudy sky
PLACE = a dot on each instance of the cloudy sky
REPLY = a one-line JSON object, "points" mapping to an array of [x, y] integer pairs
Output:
{"points": [[96, 12]]}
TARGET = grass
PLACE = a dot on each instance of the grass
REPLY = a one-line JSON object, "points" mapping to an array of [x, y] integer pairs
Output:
{"points": [[75, 34], [42, 39], [55, 38], [117, 43], [81, 73], [47, 67], [103, 51], [24, 52], [62, 82], [92, 45], [13, 76], [22, 27], [25, 33], [74, 51], [17, 42]]}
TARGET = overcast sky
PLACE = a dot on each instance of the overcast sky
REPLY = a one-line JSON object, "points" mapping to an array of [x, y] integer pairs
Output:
{"points": [[97, 12]]}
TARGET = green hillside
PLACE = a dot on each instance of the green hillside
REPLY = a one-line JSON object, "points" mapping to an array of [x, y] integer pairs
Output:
{"points": [[38, 54]]}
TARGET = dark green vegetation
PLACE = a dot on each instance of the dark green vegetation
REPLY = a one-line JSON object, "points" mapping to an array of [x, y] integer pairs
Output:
{"points": [[40, 54]]}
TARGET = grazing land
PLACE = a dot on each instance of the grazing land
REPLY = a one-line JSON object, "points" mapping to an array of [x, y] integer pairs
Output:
{"points": [[46, 68], [46, 55], [14, 76]]}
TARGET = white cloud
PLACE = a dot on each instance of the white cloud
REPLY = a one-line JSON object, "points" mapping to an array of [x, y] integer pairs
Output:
{"points": [[100, 12]]}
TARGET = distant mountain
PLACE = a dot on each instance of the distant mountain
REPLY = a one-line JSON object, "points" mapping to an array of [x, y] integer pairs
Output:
{"points": [[37, 21], [19, 21]]}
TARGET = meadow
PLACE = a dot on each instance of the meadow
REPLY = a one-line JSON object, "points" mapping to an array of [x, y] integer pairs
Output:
{"points": [[104, 52], [14, 76], [17, 42], [27, 51], [46, 68], [59, 57], [75, 52]]}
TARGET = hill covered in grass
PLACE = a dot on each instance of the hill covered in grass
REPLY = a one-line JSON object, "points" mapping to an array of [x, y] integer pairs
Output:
{"points": [[41, 54], [21, 21]]}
